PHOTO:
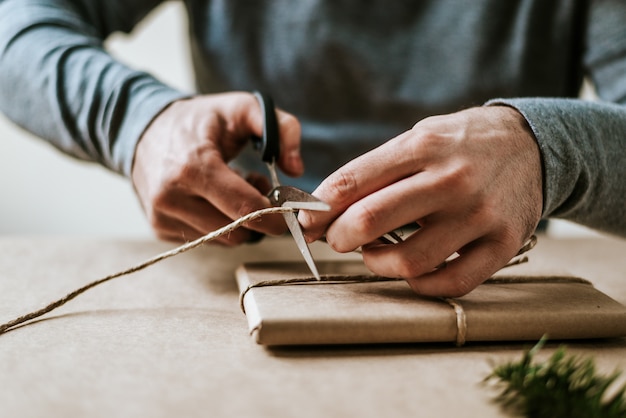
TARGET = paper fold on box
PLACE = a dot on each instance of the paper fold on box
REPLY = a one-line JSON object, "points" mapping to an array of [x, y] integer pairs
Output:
{"points": [[507, 308]]}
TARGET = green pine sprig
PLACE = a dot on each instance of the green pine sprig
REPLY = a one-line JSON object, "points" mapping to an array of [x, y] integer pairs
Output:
{"points": [[565, 386]]}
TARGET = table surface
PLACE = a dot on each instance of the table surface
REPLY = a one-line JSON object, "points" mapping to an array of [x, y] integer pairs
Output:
{"points": [[171, 341]]}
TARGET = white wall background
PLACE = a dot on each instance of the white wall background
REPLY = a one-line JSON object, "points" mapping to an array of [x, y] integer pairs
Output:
{"points": [[46, 192]]}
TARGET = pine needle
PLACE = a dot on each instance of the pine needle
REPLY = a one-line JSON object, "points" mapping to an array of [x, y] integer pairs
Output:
{"points": [[565, 386]]}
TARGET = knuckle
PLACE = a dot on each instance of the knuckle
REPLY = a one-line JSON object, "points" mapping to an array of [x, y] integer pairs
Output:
{"points": [[365, 219], [425, 125], [459, 178], [178, 176], [413, 266], [427, 133], [341, 186], [507, 240], [504, 246], [482, 214]]}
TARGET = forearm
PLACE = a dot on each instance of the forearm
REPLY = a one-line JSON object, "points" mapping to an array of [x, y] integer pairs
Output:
{"points": [[57, 81], [583, 149]]}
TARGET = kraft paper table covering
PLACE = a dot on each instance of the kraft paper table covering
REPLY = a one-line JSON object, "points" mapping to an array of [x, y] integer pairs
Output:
{"points": [[172, 341]]}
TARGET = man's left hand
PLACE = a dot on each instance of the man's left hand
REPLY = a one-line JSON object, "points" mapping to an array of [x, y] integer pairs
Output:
{"points": [[471, 180]]}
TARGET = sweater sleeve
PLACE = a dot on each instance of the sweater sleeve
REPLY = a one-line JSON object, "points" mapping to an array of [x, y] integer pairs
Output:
{"points": [[583, 143], [58, 82]]}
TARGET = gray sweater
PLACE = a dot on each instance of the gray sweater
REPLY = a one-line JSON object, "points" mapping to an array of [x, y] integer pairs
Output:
{"points": [[356, 73]]}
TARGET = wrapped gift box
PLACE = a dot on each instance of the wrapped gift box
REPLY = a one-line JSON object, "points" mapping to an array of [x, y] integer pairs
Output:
{"points": [[352, 306]]}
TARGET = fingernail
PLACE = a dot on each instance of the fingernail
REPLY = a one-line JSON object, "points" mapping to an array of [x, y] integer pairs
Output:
{"points": [[304, 218]]}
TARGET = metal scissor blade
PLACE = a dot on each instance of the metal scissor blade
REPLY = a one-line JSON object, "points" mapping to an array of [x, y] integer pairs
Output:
{"points": [[296, 232], [273, 175], [297, 199], [316, 206]]}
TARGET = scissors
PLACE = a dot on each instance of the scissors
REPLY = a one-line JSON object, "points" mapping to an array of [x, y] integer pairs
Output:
{"points": [[286, 196]]}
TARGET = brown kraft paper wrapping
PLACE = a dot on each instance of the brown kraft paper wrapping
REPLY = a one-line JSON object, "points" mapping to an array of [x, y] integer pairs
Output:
{"points": [[507, 308]]}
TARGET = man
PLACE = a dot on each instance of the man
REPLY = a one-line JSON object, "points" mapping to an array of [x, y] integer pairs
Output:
{"points": [[361, 83]]}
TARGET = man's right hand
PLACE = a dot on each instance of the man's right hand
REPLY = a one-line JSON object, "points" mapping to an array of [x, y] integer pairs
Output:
{"points": [[180, 171]]}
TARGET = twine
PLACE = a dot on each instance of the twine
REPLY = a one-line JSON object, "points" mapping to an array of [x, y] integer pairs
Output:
{"points": [[460, 315], [459, 311], [328, 279], [171, 253], [461, 320]]}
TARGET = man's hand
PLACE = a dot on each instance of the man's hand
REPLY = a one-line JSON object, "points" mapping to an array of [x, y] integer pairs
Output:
{"points": [[180, 171], [472, 180]]}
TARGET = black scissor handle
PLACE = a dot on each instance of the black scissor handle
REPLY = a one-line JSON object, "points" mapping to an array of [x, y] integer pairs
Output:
{"points": [[269, 144]]}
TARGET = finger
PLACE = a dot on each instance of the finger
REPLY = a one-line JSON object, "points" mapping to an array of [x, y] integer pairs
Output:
{"points": [[240, 117], [401, 203], [234, 197], [464, 273], [426, 249], [237, 198], [199, 215], [176, 230], [289, 131], [290, 159], [171, 229], [357, 179], [192, 213]]}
